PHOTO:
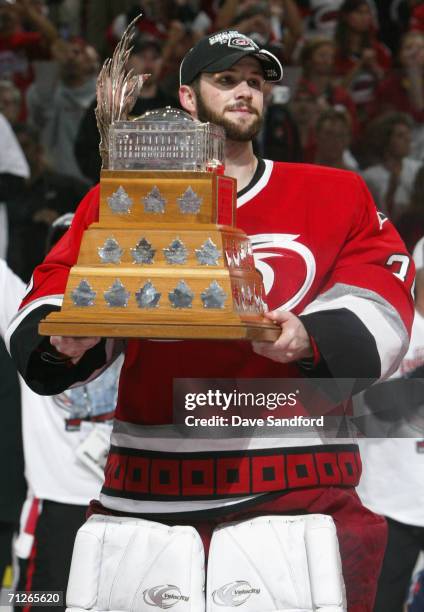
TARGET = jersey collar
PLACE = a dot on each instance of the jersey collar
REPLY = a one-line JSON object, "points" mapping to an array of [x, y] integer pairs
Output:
{"points": [[258, 182]]}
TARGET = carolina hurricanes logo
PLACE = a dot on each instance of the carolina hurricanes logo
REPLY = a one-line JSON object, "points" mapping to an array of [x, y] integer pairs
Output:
{"points": [[245, 43], [240, 42], [287, 266]]}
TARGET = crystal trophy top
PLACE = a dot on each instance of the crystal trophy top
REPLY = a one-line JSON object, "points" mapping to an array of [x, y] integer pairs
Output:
{"points": [[166, 139]]}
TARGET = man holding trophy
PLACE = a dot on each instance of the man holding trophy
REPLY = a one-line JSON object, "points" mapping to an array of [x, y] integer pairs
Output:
{"points": [[269, 514]]}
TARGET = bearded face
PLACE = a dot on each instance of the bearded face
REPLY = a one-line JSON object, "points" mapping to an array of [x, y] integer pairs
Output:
{"points": [[240, 131], [233, 99]]}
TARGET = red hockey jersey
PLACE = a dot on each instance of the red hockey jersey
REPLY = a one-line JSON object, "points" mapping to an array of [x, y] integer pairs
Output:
{"points": [[326, 254]]}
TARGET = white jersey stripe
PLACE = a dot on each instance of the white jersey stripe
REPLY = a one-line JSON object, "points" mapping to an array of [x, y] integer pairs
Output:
{"points": [[51, 300], [257, 187], [122, 504], [177, 444]]}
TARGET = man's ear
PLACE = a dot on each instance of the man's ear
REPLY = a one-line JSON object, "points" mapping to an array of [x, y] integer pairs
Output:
{"points": [[188, 99]]}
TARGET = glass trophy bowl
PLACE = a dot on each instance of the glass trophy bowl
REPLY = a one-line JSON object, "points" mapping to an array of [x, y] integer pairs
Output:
{"points": [[166, 139], [165, 259]]}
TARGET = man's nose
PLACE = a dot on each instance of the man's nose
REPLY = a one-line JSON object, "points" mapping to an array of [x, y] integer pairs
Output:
{"points": [[243, 90]]}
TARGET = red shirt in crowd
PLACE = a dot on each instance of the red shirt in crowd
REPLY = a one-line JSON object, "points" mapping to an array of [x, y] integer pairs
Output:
{"points": [[363, 87], [392, 94], [17, 50]]}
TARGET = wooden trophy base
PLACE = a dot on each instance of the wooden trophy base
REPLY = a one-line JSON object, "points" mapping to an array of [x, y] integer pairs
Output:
{"points": [[262, 330], [164, 261]]}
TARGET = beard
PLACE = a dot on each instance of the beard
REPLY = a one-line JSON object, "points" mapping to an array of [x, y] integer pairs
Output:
{"points": [[233, 131]]}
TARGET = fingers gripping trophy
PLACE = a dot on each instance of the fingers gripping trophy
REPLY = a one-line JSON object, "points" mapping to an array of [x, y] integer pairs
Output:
{"points": [[164, 259]]}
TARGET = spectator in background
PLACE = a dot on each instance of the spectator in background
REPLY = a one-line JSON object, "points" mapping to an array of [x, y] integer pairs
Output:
{"points": [[394, 18], [58, 105], [391, 179], [317, 59], [333, 135], [417, 15], [67, 15], [255, 21], [145, 58], [417, 197], [415, 601], [222, 14], [320, 16], [410, 224], [403, 88], [207, 16], [158, 19], [46, 196], [277, 23], [279, 139], [10, 102], [100, 15], [361, 60], [13, 172], [65, 440], [392, 482], [177, 44], [19, 47], [11, 454], [305, 109]]}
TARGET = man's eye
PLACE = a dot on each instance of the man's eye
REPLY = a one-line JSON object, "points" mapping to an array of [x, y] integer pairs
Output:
{"points": [[226, 80], [255, 83]]}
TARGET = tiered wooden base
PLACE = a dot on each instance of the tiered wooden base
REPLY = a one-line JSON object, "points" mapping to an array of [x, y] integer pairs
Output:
{"points": [[223, 297], [184, 330]]}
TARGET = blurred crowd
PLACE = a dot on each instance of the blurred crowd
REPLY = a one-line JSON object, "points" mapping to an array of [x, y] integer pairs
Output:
{"points": [[352, 95]]}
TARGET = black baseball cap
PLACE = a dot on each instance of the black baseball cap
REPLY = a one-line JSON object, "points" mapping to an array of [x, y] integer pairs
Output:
{"points": [[222, 50]]}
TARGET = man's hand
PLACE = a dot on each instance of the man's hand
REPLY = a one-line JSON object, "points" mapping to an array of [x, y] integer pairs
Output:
{"points": [[73, 347], [293, 343]]}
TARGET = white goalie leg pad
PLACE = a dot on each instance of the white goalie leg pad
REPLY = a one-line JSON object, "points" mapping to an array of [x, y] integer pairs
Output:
{"points": [[276, 564], [122, 563]]}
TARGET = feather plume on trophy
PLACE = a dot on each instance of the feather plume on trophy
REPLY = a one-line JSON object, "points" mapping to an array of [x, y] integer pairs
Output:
{"points": [[117, 90]]}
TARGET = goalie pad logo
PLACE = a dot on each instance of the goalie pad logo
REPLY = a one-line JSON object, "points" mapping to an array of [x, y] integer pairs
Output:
{"points": [[234, 594], [164, 596]]}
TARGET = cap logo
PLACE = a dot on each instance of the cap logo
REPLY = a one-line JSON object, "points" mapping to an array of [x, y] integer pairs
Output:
{"points": [[244, 43], [233, 39]]}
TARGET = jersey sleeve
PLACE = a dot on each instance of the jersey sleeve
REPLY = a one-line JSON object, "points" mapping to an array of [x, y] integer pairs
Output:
{"points": [[35, 357], [361, 319]]}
